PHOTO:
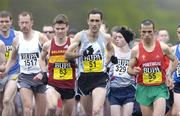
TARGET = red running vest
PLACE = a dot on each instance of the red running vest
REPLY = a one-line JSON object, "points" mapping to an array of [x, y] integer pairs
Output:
{"points": [[152, 66], [61, 71]]}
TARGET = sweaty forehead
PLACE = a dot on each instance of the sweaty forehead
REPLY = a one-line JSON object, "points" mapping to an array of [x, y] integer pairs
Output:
{"points": [[27, 17], [48, 28], [163, 33], [146, 27], [61, 25], [5, 18], [94, 16]]}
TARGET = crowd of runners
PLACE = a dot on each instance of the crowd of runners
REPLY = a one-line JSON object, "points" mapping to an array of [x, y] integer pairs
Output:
{"points": [[98, 71]]}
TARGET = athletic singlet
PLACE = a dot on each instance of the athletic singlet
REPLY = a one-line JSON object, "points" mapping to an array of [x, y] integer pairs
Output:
{"points": [[152, 66], [61, 72], [166, 61], [8, 43], [29, 52], [120, 76], [96, 61], [176, 74]]}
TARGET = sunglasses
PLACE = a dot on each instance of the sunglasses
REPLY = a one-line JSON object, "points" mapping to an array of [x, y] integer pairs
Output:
{"points": [[48, 32]]}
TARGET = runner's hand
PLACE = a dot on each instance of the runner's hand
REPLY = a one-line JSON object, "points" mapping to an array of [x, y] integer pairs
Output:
{"points": [[88, 51], [39, 76], [114, 59], [169, 83], [136, 70], [42, 76]]}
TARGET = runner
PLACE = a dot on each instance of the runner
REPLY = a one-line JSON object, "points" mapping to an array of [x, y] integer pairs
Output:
{"points": [[51, 93], [61, 72], [92, 59], [26, 47], [163, 36], [176, 75], [147, 62], [122, 90], [9, 87]]}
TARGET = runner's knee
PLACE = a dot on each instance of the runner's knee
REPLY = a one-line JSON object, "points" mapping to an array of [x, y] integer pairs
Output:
{"points": [[96, 110], [52, 107], [7, 101], [28, 109]]}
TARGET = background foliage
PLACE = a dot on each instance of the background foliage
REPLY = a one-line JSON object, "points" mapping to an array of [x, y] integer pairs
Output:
{"points": [[165, 13]]}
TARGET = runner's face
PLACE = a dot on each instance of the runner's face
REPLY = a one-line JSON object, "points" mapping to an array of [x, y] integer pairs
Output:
{"points": [[163, 36], [94, 22], [147, 33], [61, 30], [178, 33], [48, 31], [119, 40], [25, 23], [5, 24]]}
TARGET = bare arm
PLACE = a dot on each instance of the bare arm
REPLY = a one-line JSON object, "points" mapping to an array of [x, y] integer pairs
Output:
{"points": [[2, 57], [173, 48], [174, 61], [43, 55], [42, 39], [132, 62], [70, 53], [13, 56], [110, 49]]}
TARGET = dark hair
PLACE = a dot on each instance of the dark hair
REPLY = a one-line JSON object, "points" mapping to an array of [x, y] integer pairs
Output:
{"points": [[6, 14], [72, 31], [95, 11], [26, 13], [178, 26], [126, 32], [148, 22], [61, 18], [114, 29]]}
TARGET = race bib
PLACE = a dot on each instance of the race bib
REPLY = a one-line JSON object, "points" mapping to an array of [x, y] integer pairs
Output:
{"points": [[30, 62], [152, 78], [7, 54], [178, 70], [119, 69], [29, 59], [63, 73], [93, 66]]}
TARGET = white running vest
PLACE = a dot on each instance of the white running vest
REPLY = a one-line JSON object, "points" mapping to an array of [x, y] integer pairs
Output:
{"points": [[95, 62], [29, 52], [119, 71]]}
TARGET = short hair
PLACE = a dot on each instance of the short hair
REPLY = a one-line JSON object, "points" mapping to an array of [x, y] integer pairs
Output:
{"points": [[148, 22], [95, 11], [6, 14], [61, 18], [163, 29], [72, 31], [26, 13], [178, 26], [114, 28], [126, 33]]}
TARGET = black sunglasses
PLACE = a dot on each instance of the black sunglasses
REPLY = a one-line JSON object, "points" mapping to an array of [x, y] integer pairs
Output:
{"points": [[48, 31]]}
